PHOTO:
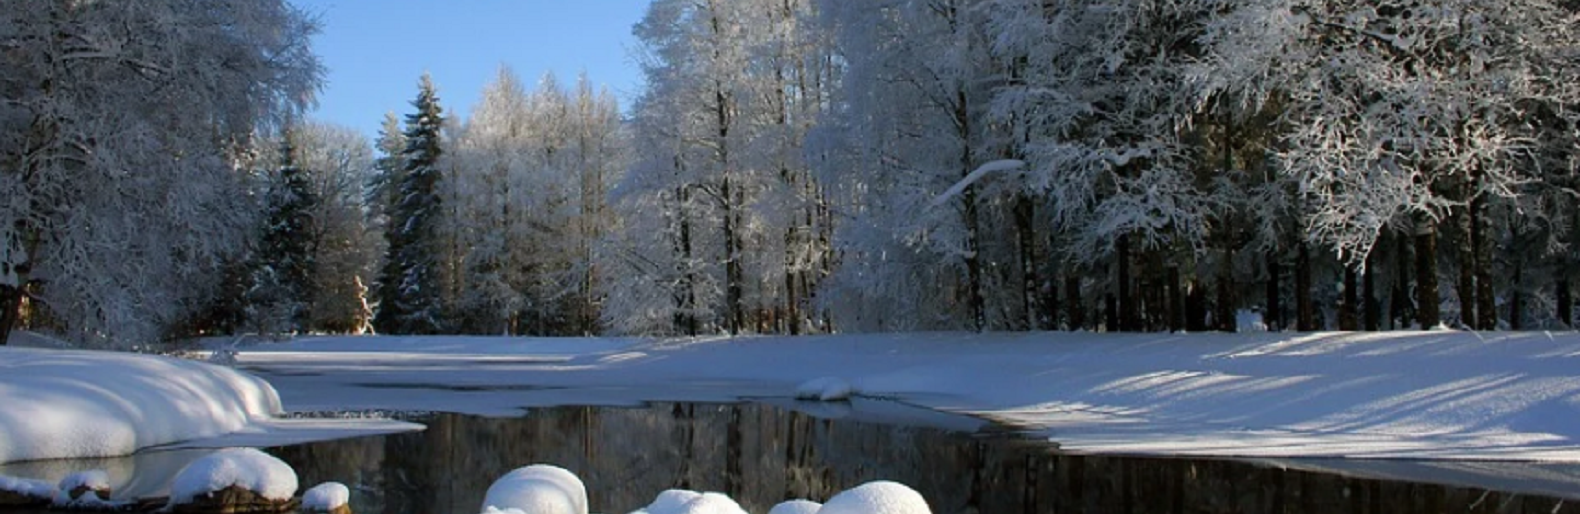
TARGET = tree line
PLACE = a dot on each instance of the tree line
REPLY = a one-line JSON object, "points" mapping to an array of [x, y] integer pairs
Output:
{"points": [[802, 166]]}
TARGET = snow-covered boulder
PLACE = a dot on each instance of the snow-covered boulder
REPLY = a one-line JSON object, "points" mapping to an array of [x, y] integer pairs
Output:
{"points": [[331, 497], [681, 501], [62, 404], [537, 489], [880, 497], [796, 507], [237, 479], [84, 489], [24, 492], [825, 389]]}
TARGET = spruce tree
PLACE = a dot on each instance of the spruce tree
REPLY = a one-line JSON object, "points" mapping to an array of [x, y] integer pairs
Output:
{"points": [[282, 285], [382, 197], [411, 303]]}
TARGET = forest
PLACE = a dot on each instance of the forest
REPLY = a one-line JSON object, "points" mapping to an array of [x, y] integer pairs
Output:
{"points": [[807, 166]]}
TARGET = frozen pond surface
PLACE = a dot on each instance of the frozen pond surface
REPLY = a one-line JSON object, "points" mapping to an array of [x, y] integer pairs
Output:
{"points": [[762, 454]]}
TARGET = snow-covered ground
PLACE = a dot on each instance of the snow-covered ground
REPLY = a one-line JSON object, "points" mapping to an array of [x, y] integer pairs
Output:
{"points": [[1419, 395], [74, 404]]}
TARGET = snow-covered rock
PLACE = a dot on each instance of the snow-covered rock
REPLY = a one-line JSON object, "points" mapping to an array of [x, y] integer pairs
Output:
{"points": [[879, 497], [84, 489], [826, 389], [332, 497], [25, 491], [796, 507], [681, 501], [76, 404], [233, 471], [537, 489]]}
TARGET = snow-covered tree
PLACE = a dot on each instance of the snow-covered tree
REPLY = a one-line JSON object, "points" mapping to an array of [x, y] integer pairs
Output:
{"points": [[410, 296], [283, 287], [123, 132]]}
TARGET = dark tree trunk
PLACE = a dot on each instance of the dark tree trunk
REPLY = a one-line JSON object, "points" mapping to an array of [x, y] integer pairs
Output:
{"points": [[1517, 299], [10, 311], [1274, 315], [1565, 304], [1050, 302], [1026, 237], [1486, 305], [1426, 303], [1465, 287], [1110, 314], [1176, 301], [1305, 318], [1223, 309], [1122, 286], [1369, 290], [1349, 319], [1075, 312], [688, 305], [1400, 309], [1195, 309]]}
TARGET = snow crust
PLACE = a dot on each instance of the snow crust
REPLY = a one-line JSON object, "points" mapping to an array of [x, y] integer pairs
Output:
{"points": [[326, 497], [28, 487], [825, 389], [537, 489], [796, 507], [247, 468], [73, 404], [1417, 395], [879, 497]]}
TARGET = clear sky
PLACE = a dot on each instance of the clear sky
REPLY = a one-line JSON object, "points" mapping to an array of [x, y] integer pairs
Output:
{"points": [[375, 50]]}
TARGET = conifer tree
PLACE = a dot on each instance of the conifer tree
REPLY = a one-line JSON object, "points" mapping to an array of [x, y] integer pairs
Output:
{"points": [[282, 285], [411, 299]]}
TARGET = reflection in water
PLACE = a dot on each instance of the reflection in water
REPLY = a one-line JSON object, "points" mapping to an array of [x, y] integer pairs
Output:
{"points": [[762, 455]]}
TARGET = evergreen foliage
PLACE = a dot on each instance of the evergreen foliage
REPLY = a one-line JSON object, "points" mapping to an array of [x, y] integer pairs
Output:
{"points": [[411, 299]]}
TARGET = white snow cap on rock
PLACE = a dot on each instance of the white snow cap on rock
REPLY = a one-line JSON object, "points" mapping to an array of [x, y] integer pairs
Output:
{"points": [[537, 489], [796, 507], [93, 480], [880, 497], [28, 487], [246, 468], [681, 501], [826, 389], [326, 497]]}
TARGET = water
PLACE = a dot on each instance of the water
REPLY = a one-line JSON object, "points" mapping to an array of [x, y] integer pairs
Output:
{"points": [[761, 455]]}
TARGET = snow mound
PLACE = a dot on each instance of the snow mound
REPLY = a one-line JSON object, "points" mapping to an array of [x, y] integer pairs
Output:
{"points": [[87, 483], [246, 468], [62, 404], [879, 497], [796, 507], [27, 488], [826, 389], [326, 497], [681, 501], [537, 489]]}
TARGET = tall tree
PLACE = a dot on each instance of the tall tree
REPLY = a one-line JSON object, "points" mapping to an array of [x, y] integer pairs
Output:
{"points": [[283, 286], [413, 293]]}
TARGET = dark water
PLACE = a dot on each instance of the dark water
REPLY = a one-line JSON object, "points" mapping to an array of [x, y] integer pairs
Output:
{"points": [[761, 455]]}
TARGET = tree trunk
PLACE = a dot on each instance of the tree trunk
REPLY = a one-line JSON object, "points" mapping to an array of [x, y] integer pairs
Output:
{"points": [[1565, 304], [10, 311], [1349, 319], [1372, 311], [1195, 309], [1026, 237], [1517, 300], [1273, 315], [1176, 301], [1074, 312], [1224, 307], [1426, 308], [1465, 288], [1110, 314], [1399, 301], [976, 302], [1305, 315], [1122, 289], [688, 305]]}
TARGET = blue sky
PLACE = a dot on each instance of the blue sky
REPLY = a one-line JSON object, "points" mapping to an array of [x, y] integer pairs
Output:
{"points": [[375, 50]]}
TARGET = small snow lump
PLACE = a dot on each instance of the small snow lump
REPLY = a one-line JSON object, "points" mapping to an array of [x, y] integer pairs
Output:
{"points": [[537, 489], [879, 497]]}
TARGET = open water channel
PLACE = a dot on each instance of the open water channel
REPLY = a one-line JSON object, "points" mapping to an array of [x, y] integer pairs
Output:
{"points": [[762, 454]]}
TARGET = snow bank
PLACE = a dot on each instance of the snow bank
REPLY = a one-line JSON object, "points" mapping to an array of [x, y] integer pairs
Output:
{"points": [[796, 507], [27, 488], [246, 468], [825, 389], [681, 501], [880, 497], [326, 497], [75, 404], [537, 489], [669, 502]]}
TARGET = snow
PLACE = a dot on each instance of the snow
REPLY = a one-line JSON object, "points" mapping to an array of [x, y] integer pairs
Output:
{"points": [[93, 480], [1418, 395], [247, 468], [681, 501], [31, 488], [796, 507], [97, 479], [670, 501], [977, 175], [879, 497], [326, 497], [537, 489], [76, 404], [825, 389]]}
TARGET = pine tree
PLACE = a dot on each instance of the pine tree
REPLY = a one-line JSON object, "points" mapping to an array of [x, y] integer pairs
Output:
{"points": [[411, 302], [282, 285]]}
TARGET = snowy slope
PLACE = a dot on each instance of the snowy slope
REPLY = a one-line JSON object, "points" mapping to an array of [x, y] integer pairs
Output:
{"points": [[1452, 395], [65, 404]]}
